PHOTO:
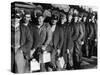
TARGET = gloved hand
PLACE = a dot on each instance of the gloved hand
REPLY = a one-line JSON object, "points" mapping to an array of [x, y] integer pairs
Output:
{"points": [[58, 51], [43, 47], [31, 53]]}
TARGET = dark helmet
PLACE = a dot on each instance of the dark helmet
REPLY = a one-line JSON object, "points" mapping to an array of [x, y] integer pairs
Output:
{"points": [[62, 15], [16, 13], [55, 15]]}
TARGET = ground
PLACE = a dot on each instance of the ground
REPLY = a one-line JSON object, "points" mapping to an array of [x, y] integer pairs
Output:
{"points": [[88, 63]]}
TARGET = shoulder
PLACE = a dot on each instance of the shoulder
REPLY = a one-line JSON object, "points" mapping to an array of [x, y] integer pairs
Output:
{"points": [[60, 28]]}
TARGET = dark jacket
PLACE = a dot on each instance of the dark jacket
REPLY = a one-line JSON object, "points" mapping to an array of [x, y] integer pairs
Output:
{"points": [[77, 32], [68, 42], [86, 30], [89, 30], [83, 28], [57, 38], [26, 39], [95, 30], [15, 37], [92, 27], [41, 37]]}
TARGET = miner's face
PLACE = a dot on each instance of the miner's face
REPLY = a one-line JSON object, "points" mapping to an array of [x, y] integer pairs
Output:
{"points": [[27, 17], [40, 20], [54, 21], [75, 19], [16, 20], [63, 19], [70, 18], [80, 18], [93, 18], [84, 18]]}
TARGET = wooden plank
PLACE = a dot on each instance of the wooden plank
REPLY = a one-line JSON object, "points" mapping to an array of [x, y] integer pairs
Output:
{"points": [[24, 6]]}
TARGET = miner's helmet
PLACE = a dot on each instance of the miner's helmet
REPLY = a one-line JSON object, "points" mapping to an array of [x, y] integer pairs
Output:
{"points": [[80, 15], [75, 15], [62, 15], [55, 15], [16, 13], [71, 11], [38, 12]]}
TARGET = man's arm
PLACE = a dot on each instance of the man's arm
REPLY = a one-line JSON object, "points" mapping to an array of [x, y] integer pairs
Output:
{"points": [[28, 41], [61, 38], [81, 33], [91, 31], [49, 36], [74, 33]]}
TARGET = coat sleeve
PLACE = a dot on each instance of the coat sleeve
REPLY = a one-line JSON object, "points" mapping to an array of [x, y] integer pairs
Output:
{"points": [[95, 30], [28, 41], [83, 25], [81, 33], [49, 35], [74, 33], [69, 41], [61, 38], [91, 31]]}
